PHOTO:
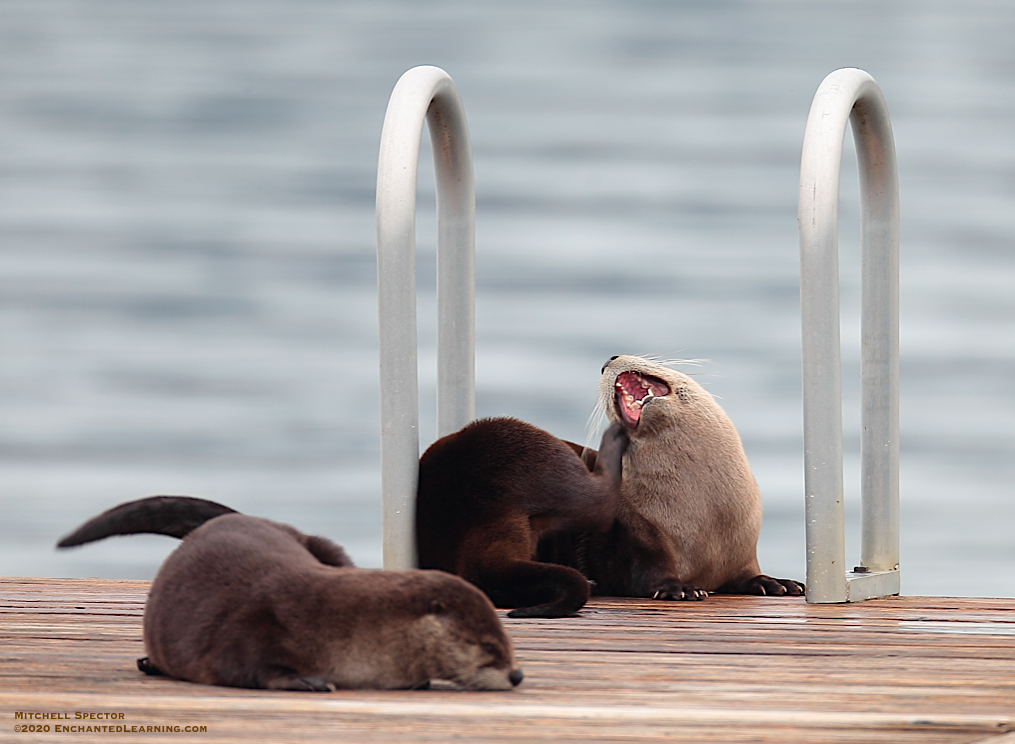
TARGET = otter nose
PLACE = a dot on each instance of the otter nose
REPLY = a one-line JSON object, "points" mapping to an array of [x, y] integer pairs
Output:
{"points": [[607, 364], [516, 677]]}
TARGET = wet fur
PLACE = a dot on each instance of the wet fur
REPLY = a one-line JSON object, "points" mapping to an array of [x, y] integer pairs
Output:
{"points": [[246, 602], [488, 492], [690, 510]]}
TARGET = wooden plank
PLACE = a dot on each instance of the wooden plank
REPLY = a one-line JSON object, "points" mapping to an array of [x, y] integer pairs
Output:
{"points": [[726, 669]]}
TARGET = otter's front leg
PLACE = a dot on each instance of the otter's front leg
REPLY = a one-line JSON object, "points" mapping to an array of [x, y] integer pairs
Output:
{"points": [[762, 585], [672, 588], [634, 560], [298, 682]]}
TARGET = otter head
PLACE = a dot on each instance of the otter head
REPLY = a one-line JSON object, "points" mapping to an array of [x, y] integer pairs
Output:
{"points": [[645, 396], [467, 639]]}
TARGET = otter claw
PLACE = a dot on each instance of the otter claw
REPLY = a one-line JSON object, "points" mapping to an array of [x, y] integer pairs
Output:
{"points": [[677, 590]]}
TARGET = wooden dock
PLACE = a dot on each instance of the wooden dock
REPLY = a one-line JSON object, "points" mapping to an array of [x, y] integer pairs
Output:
{"points": [[729, 669]]}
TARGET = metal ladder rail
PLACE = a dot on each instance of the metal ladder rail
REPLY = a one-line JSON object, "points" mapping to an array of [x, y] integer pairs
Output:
{"points": [[850, 95], [423, 93], [428, 92]]}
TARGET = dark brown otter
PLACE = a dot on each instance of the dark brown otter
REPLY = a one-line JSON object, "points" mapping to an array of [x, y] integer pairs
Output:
{"points": [[487, 493], [246, 602], [690, 511]]}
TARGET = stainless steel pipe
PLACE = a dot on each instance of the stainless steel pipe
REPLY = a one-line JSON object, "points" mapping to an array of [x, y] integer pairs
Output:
{"points": [[850, 95], [422, 93]]}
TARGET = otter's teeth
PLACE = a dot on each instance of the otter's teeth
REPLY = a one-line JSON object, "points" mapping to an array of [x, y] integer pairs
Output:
{"points": [[628, 398], [645, 399]]}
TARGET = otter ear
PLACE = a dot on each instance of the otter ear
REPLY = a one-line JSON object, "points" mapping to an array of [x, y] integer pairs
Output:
{"points": [[437, 607]]}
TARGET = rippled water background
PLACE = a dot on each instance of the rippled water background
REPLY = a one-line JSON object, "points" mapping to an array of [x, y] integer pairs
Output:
{"points": [[187, 272]]}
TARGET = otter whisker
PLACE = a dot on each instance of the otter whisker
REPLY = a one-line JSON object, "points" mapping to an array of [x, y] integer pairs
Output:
{"points": [[596, 425]]}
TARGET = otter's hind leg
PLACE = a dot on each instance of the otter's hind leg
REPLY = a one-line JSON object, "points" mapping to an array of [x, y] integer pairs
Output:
{"points": [[496, 556], [536, 589]]}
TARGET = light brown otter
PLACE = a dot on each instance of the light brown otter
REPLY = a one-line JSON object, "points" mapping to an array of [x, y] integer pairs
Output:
{"points": [[690, 510], [246, 602]]}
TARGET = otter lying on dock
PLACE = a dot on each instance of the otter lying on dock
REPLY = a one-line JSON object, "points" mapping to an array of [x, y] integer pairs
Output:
{"points": [[246, 602]]}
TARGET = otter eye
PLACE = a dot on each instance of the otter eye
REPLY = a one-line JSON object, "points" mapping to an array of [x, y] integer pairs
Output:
{"points": [[489, 649], [607, 364]]}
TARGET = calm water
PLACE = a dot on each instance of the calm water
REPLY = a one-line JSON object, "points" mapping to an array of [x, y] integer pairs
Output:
{"points": [[187, 274]]}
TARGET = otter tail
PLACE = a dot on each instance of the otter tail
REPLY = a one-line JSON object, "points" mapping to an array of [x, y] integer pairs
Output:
{"points": [[175, 516]]}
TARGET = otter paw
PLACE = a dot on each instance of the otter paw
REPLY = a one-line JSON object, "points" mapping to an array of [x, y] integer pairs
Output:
{"points": [[305, 683], [678, 590], [615, 436], [762, 585]]}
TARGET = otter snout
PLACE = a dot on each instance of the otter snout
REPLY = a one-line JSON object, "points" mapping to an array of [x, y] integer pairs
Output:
{"points": [[632, 392]]}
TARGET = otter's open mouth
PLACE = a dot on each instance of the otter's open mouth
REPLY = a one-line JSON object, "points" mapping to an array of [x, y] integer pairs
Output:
{"points": [[632, 391]]}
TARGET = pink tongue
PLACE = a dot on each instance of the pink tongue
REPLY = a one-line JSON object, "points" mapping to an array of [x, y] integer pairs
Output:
{"points": [[631, 382]]}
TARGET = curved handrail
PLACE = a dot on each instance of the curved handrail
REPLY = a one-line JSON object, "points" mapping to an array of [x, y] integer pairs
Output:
{"points": [[422, 93], [850, 95]]}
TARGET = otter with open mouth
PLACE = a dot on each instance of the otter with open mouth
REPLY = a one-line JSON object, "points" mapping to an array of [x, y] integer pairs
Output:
{"points": [[690, 510]]}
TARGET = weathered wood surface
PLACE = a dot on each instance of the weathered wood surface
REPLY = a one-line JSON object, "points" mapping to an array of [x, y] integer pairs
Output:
{"points": [[729, 669]]}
